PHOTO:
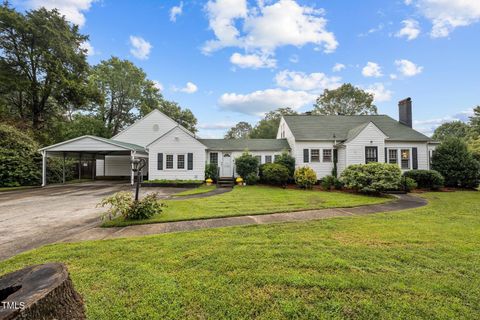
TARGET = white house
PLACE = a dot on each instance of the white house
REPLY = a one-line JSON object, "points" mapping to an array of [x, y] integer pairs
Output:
{"points": [[174, 153]]}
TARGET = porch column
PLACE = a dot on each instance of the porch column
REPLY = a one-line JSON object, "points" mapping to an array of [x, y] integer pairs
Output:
{"points": [[132, 174], [63, 180], [80, 166], [44, 168]]}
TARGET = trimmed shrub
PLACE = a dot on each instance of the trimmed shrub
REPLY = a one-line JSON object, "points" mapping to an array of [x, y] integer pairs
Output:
{"points": [[246, 164], [305, 177], [373, 177], [410, 184], [20, 161], [288, 161], [122, 204], [456, 164], [327, 182], [275, 174], [211, 171], [251, 179], [429, 179]]}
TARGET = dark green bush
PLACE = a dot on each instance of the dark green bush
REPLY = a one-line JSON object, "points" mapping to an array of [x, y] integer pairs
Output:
{"points": [[251, 179], [275, 174], [211, 171], [428, 179], [305, 177], [373, 177], [288, 161], [456, 164], [327, 182], [20, 161], [145, 208], [410, 184], [246, 164]]}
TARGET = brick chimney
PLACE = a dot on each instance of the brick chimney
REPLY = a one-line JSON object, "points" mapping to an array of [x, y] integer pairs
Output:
{"points": [[405, 112]]}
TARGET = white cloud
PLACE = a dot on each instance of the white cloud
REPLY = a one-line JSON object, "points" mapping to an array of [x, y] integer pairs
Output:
{"points": [[259, 102], [393, 76], [315, 82], [408, 68], [253, 61], [73, 10], [338, 67], [266, 26], [372, 69], [189, 88], [176, 11], [428, 126], [158, 85], [86, 45], [140, 47], [446, 15], [294, 58], [410, 30], [380, 93]]}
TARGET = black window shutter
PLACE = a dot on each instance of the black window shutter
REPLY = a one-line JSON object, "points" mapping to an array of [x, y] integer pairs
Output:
{"points": [[306, 155], [386, 160], [190, 161], [414, 158], [160, 161]]}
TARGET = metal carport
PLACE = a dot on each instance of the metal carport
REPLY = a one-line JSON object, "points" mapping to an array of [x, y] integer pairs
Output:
{"points": [[90, 147]]}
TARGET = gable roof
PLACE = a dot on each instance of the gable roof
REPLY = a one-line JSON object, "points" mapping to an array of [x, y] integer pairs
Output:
{"points": [[243, 144], [308, 127], [354, 132], [178, 127], [123, 145]]}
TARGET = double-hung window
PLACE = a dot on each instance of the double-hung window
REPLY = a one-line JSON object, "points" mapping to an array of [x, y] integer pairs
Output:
{"points": [[259, 159], [327, 155], [393, 156], [268, 159], [169, 161], [371, 154], [405, 153], [214, 158], [315, 155], [181, 161]]}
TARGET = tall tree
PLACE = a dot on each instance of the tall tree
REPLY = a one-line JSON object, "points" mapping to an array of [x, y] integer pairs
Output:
{"points": [[457, 129], [475, 123], [241, 130], [42, 65], [345, 100], [185, 117], [267, 127]]}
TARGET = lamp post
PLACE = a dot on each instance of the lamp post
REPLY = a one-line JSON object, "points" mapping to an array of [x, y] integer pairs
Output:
{"points": [[137, 166]]}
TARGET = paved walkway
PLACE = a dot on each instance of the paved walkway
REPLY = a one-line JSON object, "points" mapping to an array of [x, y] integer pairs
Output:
{"points": [[403, 202]]}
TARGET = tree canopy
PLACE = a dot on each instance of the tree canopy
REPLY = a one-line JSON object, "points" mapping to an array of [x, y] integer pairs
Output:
{"points": [[267, 127], [345, 100], [241, 130], [451, 129], [43, 69]]}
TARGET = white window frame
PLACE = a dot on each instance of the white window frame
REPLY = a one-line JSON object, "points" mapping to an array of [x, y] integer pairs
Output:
{"points": [[410, 162], [210, 158], [319, 155], [331, 156], [184, 161], [271, 158], [166, 161], [388, 155]]}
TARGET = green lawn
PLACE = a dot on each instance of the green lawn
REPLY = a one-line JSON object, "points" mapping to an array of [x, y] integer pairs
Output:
{"points": [[199, 190], [415, 264], [252, 200]]}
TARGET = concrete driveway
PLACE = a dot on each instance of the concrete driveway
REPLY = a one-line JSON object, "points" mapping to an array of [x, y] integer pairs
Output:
{"points": [[34, 217]]}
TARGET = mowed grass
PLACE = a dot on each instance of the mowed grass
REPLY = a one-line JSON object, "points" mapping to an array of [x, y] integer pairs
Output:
{"points": [[199, 190], [250, 200], [416, 264]]}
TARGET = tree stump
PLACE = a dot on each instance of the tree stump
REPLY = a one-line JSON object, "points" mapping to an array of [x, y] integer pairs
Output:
{"points": [[41, 292]]}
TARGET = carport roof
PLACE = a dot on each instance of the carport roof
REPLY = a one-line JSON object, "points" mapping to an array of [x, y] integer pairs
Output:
{"points": [[96, 144]]}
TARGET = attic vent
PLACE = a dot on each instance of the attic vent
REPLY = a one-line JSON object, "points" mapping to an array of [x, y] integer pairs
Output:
{"points": [[156, 127]]}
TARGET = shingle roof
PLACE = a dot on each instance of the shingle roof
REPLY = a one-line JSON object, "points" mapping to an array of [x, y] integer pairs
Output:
{"points": [[243, 144], [308, 127]]}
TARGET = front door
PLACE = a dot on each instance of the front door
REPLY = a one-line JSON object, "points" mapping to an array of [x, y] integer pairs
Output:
{"points": [[226, 165]]}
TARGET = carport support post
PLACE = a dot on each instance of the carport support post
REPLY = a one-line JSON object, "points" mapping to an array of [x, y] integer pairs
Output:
{"points": [[63, 177], [132, 174], [44, 168], [80, 166]]}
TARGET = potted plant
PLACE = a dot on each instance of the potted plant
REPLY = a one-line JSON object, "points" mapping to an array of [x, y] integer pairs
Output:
{"points": [[239, 181], [209, 182]]}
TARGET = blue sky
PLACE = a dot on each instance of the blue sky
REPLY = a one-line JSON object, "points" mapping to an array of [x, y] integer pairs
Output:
{"points": [[232, 60]]}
